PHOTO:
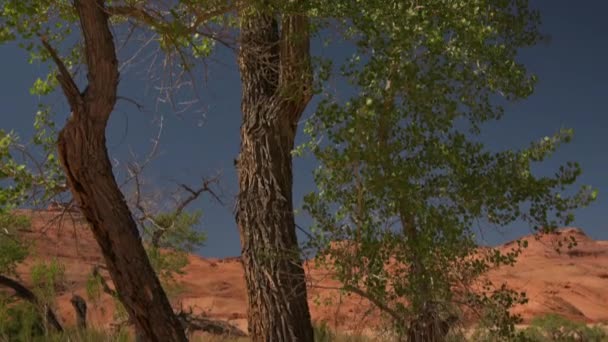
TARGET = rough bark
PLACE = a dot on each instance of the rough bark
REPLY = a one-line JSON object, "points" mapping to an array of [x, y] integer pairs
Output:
{"points": [[25, 294], [276, 87], [83, 154]]}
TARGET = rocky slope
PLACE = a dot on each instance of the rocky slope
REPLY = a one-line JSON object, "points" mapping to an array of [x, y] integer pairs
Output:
{"points": [[572, 283]]}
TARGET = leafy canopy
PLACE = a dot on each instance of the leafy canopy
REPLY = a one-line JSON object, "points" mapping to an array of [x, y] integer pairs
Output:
{"points": [[403, 177]]}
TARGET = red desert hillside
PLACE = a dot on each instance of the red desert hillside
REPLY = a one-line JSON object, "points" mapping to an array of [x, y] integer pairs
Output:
{"points": [[572, 283]]}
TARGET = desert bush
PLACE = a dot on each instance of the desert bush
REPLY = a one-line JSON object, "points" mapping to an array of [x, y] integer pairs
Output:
{"points": [[19, 321], [12, 249], [48, 279], [323, 333], [89, 335], [553, 327]]}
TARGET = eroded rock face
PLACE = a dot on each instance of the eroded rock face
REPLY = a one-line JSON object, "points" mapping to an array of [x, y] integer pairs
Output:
{"points": [[572, 284]]}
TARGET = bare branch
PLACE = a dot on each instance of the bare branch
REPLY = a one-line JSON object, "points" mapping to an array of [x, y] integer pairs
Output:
{"points": [[365, 295], [193, 323], [194, 194], [136, 13]]}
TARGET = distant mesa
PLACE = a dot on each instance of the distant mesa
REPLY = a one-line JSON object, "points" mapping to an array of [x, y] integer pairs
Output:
{"points": [[571, 283]]}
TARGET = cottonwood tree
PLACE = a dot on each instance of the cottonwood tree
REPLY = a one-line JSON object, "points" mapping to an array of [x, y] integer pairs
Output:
{"points": [[422, 50], [403, 176], [434, 47], [276, 75], [276, 78], [84, 158], [277, 84]]}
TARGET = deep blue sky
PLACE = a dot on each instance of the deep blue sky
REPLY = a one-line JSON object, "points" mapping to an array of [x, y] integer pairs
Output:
{"points": [[572, 92]]}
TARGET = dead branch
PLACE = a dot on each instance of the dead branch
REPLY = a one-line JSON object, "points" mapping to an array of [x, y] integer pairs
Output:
{"points": [[193, 322], [147, 216], [194, 194]]}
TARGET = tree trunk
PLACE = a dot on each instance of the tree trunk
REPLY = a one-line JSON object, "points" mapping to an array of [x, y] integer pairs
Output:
{"points": [[276, 85], [426, 325], [83, 154]]}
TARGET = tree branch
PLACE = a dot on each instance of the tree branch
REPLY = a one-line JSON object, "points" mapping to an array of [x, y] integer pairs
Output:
{"points": [[376, 302], [137, 13], [196, 193], [193, 323], [69, 87], [25, 294], [144, 16], [364, 295]]}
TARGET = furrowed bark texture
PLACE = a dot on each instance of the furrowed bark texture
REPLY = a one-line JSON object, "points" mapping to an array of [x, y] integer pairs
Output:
{"points": [[276, 85], [83, 154]]}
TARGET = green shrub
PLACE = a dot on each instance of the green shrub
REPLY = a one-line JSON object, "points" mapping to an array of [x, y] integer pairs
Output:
{"points": [[12, 249], [48, 279], [88, 335], [323, 333], [553, 327], [19, 321]]}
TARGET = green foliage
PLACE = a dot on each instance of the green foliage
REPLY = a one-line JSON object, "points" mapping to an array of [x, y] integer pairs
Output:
{"points": [[169, 253], [27, 21], [403, 178], [23, 172], [22, 322], [178, 237], [12, 171], [47, 278], [553, 327], [120, 312], [94, 288], [19, 321], [179, 231], [323, 333], [12, 249]]}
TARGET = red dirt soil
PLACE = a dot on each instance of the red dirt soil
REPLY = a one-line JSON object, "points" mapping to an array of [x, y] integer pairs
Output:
{"points": [[572, 283]]}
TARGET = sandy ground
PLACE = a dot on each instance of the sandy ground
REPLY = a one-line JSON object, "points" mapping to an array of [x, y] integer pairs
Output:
{"points": [[572, 283]]}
